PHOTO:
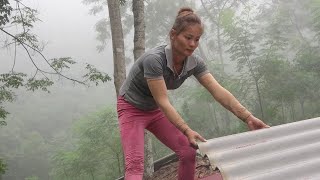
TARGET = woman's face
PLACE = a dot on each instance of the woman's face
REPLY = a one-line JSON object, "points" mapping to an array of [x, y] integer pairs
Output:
{"points": [[184, 43]]}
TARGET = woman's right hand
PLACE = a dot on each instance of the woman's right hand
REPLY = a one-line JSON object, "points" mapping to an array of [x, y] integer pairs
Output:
{"points": [[193, 136]]}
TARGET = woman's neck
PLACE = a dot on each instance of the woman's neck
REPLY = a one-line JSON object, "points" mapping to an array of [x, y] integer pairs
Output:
{"points": [[178, 63], [177, 59]]}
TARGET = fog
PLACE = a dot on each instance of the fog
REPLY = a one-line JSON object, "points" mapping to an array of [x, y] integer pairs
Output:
{"points": [[265, 53], [67, 30]]}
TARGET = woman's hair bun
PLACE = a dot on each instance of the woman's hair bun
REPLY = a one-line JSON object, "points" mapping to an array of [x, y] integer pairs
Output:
{"points": [[185, 10]]}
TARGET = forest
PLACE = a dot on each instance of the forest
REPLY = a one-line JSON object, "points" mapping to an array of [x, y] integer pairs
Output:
{"points": [[56, 126]]}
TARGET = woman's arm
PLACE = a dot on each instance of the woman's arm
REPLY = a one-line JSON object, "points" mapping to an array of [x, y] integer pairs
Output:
{"points": [[226, 99], [159, 92]]}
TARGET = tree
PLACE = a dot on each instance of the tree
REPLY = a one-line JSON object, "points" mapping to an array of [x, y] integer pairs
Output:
{"points": [[240, 34], [24, 18], [285, 50], [3, 168], [139, 28], [217, 12], [117, 43], [314, 6], [97, 152], [139, 48]]}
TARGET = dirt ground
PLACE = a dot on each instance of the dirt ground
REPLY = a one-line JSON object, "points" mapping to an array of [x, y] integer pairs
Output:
{"points": [[170, 171]]}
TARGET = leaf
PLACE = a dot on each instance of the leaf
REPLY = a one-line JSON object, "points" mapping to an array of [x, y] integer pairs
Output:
{"points": [[35, 84], [59, 64], [3, 115], [6, 95], [5, 12], [95, 75], [12, 80], [3, 166], [227, 16]]}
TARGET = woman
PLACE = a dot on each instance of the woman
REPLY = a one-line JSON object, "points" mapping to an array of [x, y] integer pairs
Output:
{"points": [[143, 102]]}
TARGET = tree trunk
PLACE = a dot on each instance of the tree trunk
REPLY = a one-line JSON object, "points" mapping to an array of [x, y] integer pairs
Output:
{"points": [[119, 163], [301, 100], [220, 47], [226, 121], [92, 175], [292, 112], [138, 50], [214, 118], [117, 43], [259, 98], [139, 28], [202, 53], [217, 22], [148, 158], [282, 107]]}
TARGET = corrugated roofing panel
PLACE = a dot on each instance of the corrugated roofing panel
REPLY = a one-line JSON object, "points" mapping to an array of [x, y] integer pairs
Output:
{"points": [[215, 176], [288, 151]]}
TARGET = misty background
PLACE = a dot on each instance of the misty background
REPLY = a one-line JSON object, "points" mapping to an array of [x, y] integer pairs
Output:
{"points": [[265, 53], [66, 29]]}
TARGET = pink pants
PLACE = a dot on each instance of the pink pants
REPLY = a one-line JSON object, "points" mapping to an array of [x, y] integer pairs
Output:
{"points": [[133, 121]]}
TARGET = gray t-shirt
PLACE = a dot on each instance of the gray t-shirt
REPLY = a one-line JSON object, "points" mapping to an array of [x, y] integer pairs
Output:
{"points": [[157, 64]]}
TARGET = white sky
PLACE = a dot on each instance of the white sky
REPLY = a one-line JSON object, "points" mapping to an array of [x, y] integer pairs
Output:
{"points": [[68, 30]]}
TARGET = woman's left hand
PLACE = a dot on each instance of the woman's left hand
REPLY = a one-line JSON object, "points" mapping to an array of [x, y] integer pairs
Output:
{"points": [[255, 123], [193, 136]]}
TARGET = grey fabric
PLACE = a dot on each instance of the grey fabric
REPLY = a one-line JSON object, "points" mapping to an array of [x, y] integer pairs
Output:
{"points": [[157, 64]]}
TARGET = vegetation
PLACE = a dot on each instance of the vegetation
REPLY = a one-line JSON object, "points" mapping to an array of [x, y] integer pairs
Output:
{"points": [[23, 18], [266, 54]]}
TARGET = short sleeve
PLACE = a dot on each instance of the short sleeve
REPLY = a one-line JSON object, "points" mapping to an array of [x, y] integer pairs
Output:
{"points": [[153, 67], [201, 68]]}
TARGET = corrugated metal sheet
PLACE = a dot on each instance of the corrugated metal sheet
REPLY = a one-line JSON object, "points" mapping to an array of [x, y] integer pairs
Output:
{"points": [[285, 152], [215, 176]]}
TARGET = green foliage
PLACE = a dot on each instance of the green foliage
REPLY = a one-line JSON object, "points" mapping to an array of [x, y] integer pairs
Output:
{"points": [[226, 17], [42, 84], [102, 27], [97, 152], [6, 95], [5, 12], [32, 178], [66, 164], [241, 45], [95, 75], [3, 115], [59, 64], [315, 12], [8, 81], [162, 18], [50, 115], [12, 80], [308, 60], [24, 152], [282, 73], [3, 167], [102, 33], [24, 18], [286, 66]]}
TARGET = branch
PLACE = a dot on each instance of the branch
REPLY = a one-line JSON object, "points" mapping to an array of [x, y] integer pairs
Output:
{"points": [[36, 50], [15, 56], [207, 11], [18, 7]]}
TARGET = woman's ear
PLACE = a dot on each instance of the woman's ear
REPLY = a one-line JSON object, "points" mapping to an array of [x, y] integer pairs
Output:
{"points": [[173, 33]]}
